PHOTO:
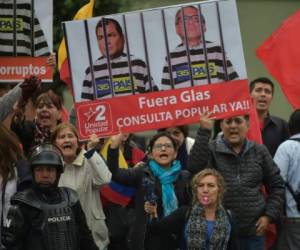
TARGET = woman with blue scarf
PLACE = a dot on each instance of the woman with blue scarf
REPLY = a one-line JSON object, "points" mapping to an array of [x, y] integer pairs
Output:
{"points": [[161, 181]]}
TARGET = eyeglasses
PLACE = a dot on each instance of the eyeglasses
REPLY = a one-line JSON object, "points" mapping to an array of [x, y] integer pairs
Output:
{"points": [[159, 146], [237, 120]]}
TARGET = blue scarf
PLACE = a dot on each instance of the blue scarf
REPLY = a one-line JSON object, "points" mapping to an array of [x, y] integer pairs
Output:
{"points": [[167, 177]]}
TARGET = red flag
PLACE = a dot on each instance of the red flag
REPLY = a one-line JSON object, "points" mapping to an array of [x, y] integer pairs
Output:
{"points": [[280, 53], [254, 133], [65, 72]]}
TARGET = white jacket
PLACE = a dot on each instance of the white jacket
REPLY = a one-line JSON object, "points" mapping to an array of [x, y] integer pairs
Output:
{"points": [[86, 177]]}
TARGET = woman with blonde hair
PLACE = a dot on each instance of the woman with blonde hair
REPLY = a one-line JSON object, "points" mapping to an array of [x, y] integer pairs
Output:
{"points": [[206, 225], [85, 172]]}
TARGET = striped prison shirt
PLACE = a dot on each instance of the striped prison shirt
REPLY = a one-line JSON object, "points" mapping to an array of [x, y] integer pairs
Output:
{"points": [[120, 76], [28, 42], [181, 70]]}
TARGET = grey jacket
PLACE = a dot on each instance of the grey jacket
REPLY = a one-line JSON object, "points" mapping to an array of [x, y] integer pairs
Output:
{"points": [[244, 174], [8, 100]]}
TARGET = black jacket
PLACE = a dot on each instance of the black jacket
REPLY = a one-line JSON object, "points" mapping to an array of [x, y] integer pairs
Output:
{"points": [[25, 224], [25, 132], [176, 222], [134, 177], [244, 174], [275, 132]]}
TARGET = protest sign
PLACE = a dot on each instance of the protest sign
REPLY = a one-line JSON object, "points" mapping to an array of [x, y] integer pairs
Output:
{"points": [[12, 70], [25, 31], [161, 109], [165, 48]]}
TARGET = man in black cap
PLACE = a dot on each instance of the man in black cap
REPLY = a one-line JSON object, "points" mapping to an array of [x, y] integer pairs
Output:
{"points": [[46, 216]]}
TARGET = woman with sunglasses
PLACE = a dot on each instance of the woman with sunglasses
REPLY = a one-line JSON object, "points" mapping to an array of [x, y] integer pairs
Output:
{"points": [[160, 180]]}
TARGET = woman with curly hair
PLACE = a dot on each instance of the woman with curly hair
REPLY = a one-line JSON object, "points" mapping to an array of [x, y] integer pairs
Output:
{"points": [[206, 225]]}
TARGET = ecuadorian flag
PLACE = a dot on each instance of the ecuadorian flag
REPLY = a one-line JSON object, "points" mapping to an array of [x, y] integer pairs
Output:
{"points": [[115, 192]]}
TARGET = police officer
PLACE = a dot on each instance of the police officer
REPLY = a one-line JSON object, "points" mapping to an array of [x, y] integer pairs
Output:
{"points": [[46, 217]]}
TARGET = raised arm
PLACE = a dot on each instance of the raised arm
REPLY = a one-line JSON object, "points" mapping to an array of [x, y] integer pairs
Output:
{"points": [[100, 172], [128, 177], [200, 155]]}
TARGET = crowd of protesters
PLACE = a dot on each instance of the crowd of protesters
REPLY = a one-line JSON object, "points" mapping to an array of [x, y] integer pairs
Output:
{"points": [[200, 193], [60, 193]]}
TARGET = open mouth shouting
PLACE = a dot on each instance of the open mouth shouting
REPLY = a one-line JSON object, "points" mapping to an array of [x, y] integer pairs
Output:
{"points": [[44, 117], [164, 156], [67, 146], [262, 103]]}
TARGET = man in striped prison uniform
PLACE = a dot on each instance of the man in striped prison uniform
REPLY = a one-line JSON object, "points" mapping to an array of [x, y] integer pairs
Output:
{"points": [[179, 60], [17, 38], [120, 71]]}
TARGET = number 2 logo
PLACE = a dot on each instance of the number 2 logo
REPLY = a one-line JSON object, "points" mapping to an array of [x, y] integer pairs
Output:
{"points": [[100, 109]]}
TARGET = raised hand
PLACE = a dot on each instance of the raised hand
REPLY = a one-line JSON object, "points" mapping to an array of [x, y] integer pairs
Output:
{"points": [[93, 141], [151, 209], [29, 86], [206, 120], [116, 140]]}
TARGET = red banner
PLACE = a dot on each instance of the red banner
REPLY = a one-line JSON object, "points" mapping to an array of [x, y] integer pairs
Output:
{"points": [[15, 69], [161, 109]]}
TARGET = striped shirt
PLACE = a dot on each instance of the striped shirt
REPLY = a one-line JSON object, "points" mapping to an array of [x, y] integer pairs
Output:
{"points": [[181, 69], [26, 42], [120, 76]]}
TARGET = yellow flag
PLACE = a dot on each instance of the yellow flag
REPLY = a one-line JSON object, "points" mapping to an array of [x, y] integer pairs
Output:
{"points": [[122, 161], [83, 13]]}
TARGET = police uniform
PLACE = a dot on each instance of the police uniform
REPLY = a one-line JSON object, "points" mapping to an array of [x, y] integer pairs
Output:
{"points": [[46, 217], [35, 224]]}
